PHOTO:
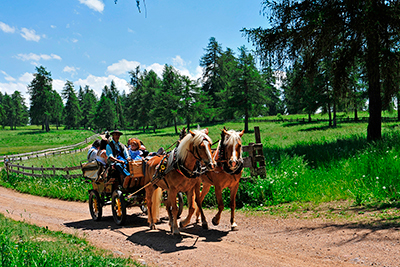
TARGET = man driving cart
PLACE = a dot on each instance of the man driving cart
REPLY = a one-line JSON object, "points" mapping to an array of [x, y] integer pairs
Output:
{"points": [[118, 155]]}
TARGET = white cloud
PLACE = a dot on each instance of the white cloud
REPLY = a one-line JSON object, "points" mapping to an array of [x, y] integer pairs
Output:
{"points": [[26, 78], [122, 67], [156, 67], [74, 40], [6, 28], [7, 77], [96, 5], [11, 87], [30, 35], [178, 61], [53, 26], [35, 57], [180, 65], [97, 83], [58, 85], [70, 69]]}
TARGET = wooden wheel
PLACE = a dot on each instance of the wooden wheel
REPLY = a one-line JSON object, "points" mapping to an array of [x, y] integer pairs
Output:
{"points": [[118, 206], [95, 206]]}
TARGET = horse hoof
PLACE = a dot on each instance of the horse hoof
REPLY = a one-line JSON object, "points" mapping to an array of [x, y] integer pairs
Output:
{"points": [[215, 222], [234, 227], [205, 226], [181, 225], [176, 232], [197, 221], [152, 227]]}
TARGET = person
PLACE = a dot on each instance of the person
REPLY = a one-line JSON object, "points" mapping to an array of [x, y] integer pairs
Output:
{"points": [[101, 154], [118, 154], [91, 156], [135, 149]]}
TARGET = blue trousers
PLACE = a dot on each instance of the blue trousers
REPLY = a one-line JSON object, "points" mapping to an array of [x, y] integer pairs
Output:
{"points": [[122, 169]]}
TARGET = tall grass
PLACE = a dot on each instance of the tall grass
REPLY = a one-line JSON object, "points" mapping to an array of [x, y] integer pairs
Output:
{"points": [[22, 244]]}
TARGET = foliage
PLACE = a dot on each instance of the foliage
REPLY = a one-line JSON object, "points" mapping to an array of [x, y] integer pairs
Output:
{"points": [[341, 32], [22, 244], [72, 109], [41, 91]]}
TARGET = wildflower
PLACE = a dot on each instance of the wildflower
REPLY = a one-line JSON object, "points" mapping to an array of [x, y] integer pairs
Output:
{"points": [[384, 187], [377, 178], [261, 186], [295, 183], [261, 205]]}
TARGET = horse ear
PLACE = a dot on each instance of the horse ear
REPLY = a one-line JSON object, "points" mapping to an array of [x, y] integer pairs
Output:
{"points": [[192, 133], [206, 131], [241, 133], [224, 131]]}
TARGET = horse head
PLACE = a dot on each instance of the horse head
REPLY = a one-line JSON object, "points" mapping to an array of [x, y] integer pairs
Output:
{"points": [[232, 147], [202, 147]]}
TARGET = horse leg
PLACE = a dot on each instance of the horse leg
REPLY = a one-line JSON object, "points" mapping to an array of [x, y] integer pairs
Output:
{"points": [[218, 195], [156, 200], [204, 192], [234, 190], [204, 223], [173, 213], [191, 209], [149, 195]]}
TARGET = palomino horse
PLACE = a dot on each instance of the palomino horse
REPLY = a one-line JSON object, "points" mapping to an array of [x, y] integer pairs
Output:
{"points": [[228, 172], [179, 173]]}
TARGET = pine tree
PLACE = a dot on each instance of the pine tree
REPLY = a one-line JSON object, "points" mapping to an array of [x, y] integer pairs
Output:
{"points": [[40, 91], [88, 107], [72, 109]]}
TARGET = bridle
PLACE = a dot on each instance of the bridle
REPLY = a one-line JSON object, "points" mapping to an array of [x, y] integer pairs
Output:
{"points": [[223, 161]]}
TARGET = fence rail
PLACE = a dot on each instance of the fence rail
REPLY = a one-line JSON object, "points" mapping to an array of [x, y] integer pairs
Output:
{"points": [[255, 162], [21, 169], [49, 151]]}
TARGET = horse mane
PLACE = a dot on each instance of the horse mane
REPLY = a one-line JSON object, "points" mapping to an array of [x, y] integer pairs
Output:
{"points": [[231, 137], [183, 148]]}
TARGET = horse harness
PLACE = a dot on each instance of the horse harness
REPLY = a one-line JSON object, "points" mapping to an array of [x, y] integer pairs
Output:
{"points": [[223, 162]]}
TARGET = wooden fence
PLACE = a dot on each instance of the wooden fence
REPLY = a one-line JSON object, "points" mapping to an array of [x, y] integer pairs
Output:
{"points": [[45, 152], [48, 172], [255, 162]]}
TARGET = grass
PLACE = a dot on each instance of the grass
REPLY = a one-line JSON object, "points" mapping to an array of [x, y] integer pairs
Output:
{"points": [[32, 138], [305, 162], [22, 244]]}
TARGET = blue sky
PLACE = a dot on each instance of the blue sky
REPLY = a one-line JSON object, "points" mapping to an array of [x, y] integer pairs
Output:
{"points": [[91, 42]]}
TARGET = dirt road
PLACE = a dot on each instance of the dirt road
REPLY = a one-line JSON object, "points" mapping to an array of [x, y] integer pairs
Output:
{"points": [[260, 241]]}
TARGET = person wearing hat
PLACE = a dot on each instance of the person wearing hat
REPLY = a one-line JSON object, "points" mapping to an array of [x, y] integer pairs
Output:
{"points": [[118, 154]]}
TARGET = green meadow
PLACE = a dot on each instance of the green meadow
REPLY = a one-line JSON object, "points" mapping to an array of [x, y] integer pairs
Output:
{"points": [[32, 138], [305, 162]]}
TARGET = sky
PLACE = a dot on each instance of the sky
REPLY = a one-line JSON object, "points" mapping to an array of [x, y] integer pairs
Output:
{"points": [[92, 42]]}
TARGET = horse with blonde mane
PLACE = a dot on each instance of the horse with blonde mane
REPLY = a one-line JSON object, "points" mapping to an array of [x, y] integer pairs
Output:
{"points": [[177, 172], [228, 172]]}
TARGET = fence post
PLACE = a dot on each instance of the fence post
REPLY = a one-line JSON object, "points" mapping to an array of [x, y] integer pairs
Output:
{"points": [[42, 170], [33, 170], [6, 161], [54, 171]]}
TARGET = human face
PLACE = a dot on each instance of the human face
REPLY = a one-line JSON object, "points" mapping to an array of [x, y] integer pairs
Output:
{"points": [[116, 137]]}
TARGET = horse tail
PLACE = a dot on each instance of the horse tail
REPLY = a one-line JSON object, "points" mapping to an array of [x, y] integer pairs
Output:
{"points": [[156, 200]]}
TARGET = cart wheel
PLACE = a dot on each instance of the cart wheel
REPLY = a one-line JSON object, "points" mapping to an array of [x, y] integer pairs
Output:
{"points": [[118, 206], [95, 206], [179, 203]]}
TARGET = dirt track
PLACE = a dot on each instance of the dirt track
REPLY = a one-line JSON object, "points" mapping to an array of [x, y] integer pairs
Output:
{"points": [[260, 241]]}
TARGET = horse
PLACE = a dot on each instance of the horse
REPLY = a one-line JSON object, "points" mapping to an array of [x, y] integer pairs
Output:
{"points": [[228, 172], [177, 172]]}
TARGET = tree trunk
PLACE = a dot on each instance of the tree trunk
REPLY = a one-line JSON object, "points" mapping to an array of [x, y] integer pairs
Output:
{"points": [[176, 126], [334, 114], [309, 117], [398, 106], [355, 114], [330, 114], [374, 130], [246, 110]]}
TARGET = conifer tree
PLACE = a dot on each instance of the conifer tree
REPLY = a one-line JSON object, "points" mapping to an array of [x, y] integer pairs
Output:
{"points": [[72, 109]]}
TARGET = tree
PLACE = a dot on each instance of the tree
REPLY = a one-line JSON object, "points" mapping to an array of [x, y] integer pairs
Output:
{"points": [[40, 91], [88, 107], [72, 109], [212, 81], [58, 109], [105, 113], [20, 110], [248, 92], [364, 29]]}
